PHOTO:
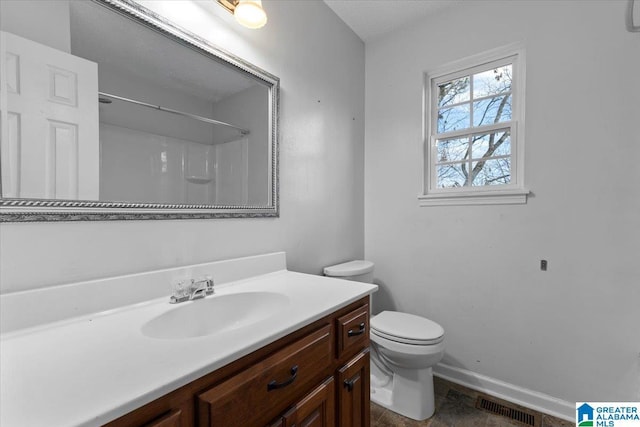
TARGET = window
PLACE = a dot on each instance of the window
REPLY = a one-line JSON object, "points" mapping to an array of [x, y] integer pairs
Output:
{"points": [[474, 126]]}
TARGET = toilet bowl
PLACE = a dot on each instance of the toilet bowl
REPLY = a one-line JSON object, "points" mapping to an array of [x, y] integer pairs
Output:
{"points": [[404, 348]]}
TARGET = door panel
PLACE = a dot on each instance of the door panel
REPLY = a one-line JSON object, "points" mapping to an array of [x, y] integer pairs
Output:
{"points": [[49, 116]]}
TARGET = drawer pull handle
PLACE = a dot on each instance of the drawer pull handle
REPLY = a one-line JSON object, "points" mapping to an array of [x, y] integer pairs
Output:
{"points": [[353, 333], [273, 385]]}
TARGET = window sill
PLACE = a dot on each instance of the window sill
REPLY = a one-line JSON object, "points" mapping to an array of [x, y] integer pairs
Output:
{"points": [[495, 197]]}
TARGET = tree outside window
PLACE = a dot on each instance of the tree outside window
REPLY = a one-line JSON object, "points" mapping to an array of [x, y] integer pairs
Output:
{"points": [[472, 128]]}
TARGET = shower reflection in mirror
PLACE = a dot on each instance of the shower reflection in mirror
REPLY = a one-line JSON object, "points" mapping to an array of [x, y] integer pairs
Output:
{"points": [[91, 115]]}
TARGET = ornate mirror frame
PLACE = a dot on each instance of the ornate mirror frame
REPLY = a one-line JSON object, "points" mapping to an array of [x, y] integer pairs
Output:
{"points": [[37, 210]]}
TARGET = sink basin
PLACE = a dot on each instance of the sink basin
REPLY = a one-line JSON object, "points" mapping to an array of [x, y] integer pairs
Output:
{"points": [[216, 314]]}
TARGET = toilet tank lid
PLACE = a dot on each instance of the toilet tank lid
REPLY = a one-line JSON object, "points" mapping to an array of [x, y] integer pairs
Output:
{"points": [[351, 268]]}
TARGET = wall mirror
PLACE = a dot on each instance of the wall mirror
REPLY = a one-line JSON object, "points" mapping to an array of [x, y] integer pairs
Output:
{"points": [[110, 111]]}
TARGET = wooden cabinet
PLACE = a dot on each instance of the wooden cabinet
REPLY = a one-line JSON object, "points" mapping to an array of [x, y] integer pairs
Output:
{"points": [[169, 411], [317, 376], [259, 393], [354, 392], [172, 419], [353, 331], [317, 409]]}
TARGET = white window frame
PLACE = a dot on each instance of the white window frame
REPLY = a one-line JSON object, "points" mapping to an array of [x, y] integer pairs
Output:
{"points": [[512, 193]]}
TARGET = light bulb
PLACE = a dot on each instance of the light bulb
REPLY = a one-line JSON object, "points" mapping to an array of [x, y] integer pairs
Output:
{"points": [[250, 13]]}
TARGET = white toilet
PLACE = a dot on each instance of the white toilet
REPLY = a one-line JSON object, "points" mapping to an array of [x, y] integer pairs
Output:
{"points": [[404, 347]]}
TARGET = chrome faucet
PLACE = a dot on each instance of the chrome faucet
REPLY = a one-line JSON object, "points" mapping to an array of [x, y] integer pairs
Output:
{"points": [[192, 290]]}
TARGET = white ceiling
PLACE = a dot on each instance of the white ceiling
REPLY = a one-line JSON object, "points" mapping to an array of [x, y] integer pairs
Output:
{"points": [[370, 19], [100, 35]]}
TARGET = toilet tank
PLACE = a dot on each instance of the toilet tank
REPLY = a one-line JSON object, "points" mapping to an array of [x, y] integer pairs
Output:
{"points": [[359, 271]]}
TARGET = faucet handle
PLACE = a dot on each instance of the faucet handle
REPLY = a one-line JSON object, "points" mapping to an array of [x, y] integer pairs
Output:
{"points": [[209, 284], [181, 290]]}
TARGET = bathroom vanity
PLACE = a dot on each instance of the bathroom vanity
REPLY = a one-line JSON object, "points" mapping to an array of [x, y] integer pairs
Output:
{"points": [[317, 375], [270, 348]]}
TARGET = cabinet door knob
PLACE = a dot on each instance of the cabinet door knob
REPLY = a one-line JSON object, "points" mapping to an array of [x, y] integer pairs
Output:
{"points": [[349, 384], [360, 331], [273, 385]]}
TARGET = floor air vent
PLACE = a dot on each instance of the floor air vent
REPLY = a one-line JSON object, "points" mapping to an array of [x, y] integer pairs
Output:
{"points": [[508, 410]]}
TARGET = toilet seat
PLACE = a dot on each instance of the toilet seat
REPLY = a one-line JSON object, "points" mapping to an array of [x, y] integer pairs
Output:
{"points": [[406, 328], [407, 353]]}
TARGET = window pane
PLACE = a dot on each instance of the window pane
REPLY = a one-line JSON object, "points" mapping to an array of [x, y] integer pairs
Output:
{"points": [[492, 172], [453, 118], [452, 149], [453, 92], [491, 144], [453, 175], [492, 110], [492, 82]]}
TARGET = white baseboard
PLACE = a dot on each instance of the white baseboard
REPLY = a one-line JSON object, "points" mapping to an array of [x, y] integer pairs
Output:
{"points": [[521, 396]]}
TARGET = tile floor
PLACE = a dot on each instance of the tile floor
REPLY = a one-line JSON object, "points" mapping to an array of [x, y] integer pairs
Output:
{"points": [[455, 407]]}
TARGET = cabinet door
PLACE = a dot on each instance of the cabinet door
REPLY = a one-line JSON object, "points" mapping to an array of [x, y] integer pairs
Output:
{"points": [[172, 419], [277, 423], [353, 392], [156, 415], [314, 410]]}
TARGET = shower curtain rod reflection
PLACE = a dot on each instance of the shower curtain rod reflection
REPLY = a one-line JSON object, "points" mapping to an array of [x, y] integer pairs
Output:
{"points": [[169, 110]]}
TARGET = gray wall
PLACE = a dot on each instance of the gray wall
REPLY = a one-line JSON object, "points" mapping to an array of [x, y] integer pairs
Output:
{"points": [[50, 26], [570, 332]]}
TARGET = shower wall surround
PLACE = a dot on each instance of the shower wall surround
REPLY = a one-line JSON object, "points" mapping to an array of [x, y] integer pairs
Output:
{"points": [[194, 162], [321, 163]]}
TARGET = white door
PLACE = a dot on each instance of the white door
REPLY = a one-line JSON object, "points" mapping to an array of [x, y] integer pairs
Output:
{"points": [[49, 118]]}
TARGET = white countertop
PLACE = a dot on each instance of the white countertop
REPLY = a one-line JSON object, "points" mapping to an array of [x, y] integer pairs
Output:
{"points": [[92, 369]]}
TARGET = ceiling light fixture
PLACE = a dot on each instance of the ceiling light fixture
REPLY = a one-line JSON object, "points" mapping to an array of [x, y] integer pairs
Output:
{"points": [[248, 13]]}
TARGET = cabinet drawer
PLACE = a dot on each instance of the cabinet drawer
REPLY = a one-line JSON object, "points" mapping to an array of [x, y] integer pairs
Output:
{"points": [[268, 387], [353, 331]]}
